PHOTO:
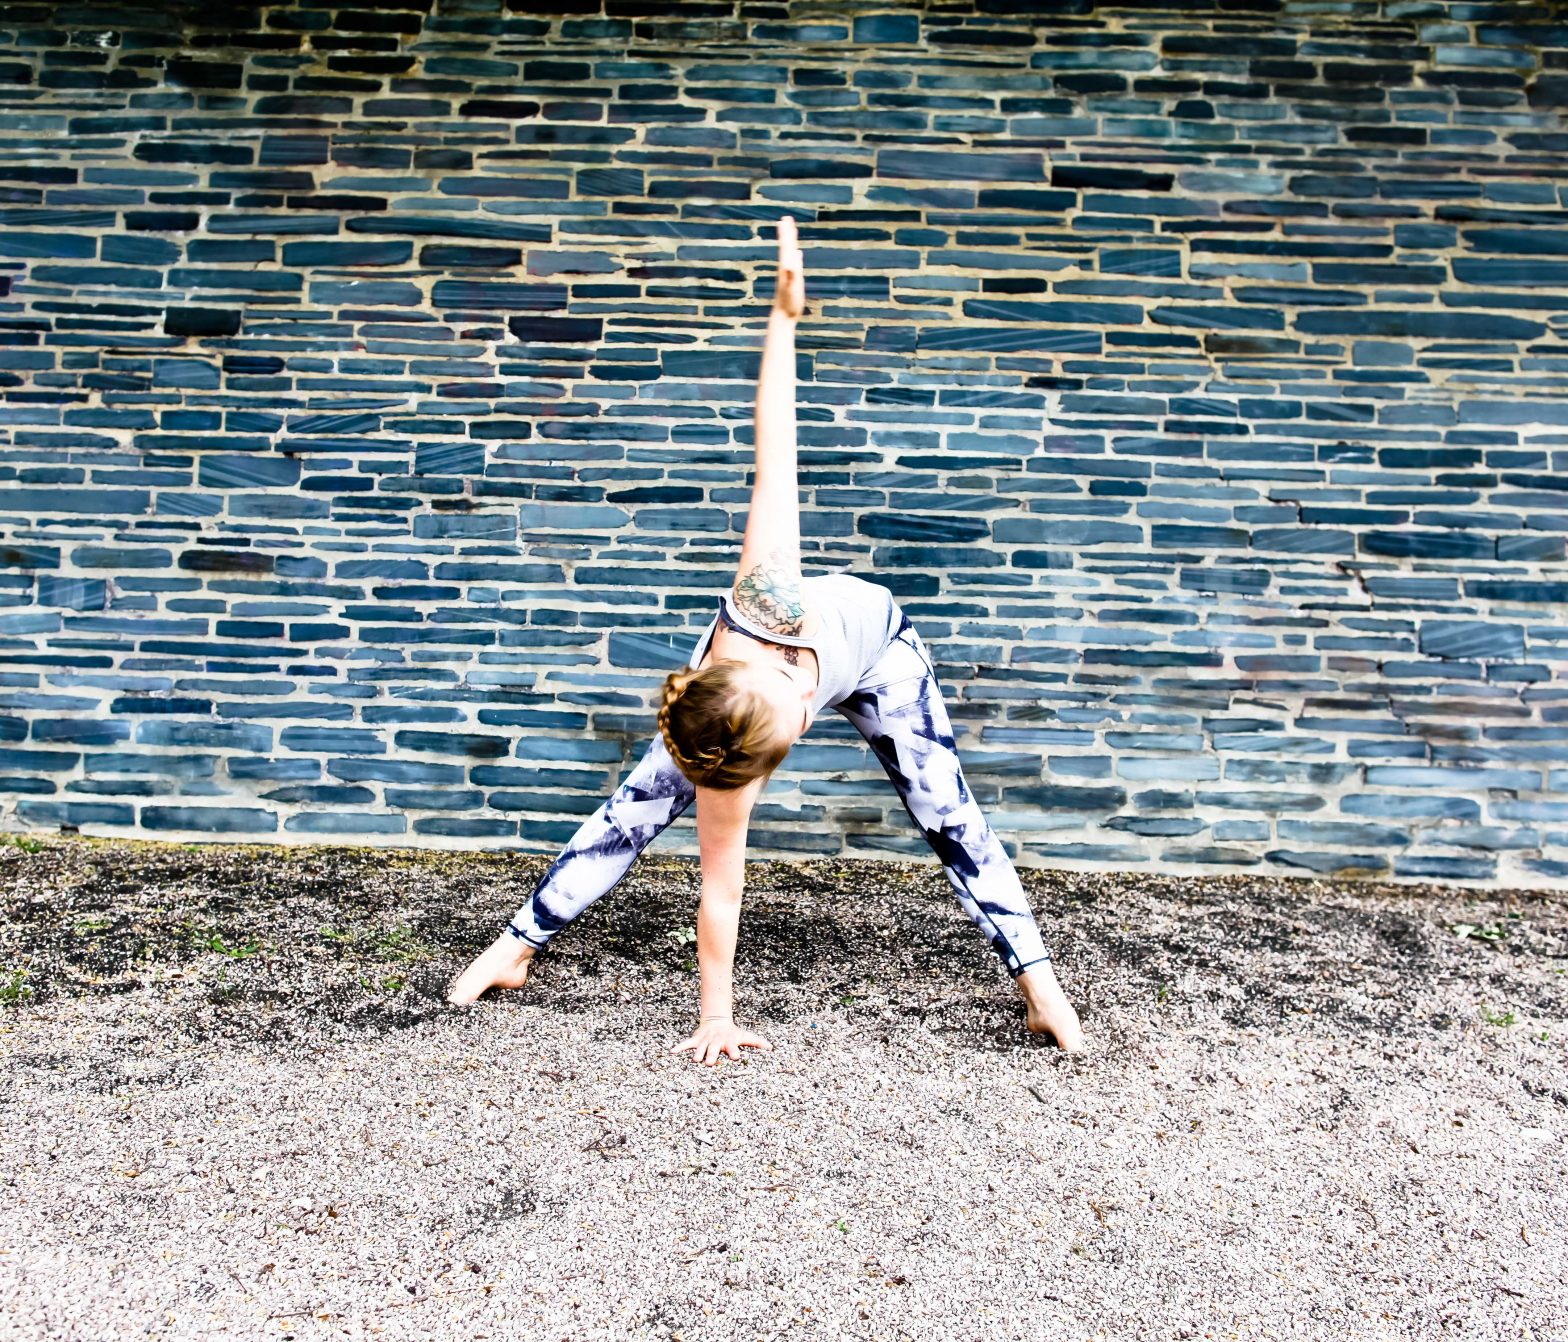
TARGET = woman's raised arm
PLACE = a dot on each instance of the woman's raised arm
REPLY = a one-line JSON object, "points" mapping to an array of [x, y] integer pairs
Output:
{"points": [[767, 585]]}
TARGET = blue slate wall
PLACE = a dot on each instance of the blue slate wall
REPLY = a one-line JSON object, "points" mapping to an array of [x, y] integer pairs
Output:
{"points": [[377, 391]]}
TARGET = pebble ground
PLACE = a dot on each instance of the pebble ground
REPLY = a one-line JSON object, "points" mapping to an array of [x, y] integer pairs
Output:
{"points": [[238, 1106]]}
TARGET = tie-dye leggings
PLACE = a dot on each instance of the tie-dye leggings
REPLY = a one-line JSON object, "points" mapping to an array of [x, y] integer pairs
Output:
{"points": [[898, 708]]}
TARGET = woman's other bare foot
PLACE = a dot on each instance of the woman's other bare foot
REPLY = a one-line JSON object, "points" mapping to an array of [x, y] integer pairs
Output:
{"points": [[1049, 1010], [502, 964]]}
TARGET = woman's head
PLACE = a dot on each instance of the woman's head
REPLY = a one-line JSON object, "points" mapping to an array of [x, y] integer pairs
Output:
{"points": [[732, 721]]}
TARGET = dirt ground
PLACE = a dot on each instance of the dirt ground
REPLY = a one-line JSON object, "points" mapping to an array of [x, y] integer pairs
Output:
{"points": [[237, 1105]]}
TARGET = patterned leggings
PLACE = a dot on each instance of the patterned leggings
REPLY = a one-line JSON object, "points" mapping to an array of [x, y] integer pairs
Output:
{"points": [[898, 708]]}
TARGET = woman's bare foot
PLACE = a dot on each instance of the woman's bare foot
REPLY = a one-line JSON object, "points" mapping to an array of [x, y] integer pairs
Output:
{"points": [[504, 963], [1049, 1010]]}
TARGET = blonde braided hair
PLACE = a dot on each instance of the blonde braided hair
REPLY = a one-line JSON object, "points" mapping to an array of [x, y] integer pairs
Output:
{"points": [[719, 733]]}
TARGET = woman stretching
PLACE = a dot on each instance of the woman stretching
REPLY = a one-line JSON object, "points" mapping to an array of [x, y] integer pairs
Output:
{"points": [[781, 648]]}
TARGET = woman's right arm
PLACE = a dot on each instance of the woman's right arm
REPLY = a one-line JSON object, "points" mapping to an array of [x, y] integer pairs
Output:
{"points": [[722, 820]]}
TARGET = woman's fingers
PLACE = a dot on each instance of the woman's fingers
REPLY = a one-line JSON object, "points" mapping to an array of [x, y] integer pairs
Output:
{"points": [[792, 260], [790, 293], [709, 1048]]}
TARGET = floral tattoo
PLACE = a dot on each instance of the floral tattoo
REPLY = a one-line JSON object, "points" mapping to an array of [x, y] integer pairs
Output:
{"points": [[770, 595]]}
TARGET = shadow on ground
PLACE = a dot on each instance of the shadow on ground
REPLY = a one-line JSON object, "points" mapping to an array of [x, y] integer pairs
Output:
{"points": [[267, 943]]}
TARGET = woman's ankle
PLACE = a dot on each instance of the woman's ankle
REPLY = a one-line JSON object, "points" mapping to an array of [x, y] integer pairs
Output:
{"points": [[522, 950], [1038, 979]]}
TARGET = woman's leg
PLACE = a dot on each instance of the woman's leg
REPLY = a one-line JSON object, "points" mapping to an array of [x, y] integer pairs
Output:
{"points": [[605, 845], [898, 708]]}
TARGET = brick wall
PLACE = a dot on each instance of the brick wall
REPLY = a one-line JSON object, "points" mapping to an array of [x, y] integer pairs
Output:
{"points": [[377, 389]]}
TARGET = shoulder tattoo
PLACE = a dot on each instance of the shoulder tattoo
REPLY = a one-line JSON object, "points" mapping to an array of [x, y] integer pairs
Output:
{"points": [[769, 594]]}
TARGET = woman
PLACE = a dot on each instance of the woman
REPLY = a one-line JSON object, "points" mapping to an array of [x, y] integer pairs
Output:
{"points": [[781, 648]]}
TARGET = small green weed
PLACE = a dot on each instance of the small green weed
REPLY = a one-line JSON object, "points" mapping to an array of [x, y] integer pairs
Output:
{"points": [[1492, 932], [25, 842], [861, 992], [395, 943], [1498, 1018], [684, 937], [400, 943], [207, 939], [393, 983], [85, 927], [13, 992]]}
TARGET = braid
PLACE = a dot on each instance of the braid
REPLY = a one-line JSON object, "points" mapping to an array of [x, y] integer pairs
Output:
{"points": [[675, 687], [704, 761]]}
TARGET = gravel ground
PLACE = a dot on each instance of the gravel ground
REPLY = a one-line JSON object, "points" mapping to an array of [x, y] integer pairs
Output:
{"points": [[238, 1106]]}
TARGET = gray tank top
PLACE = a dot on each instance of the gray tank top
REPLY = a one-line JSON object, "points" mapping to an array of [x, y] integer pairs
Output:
{"points": [[857, 620]]}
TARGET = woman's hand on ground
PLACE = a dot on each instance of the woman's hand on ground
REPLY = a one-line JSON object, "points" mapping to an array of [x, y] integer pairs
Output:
{"points": [[714, 1038], [789, 296]]}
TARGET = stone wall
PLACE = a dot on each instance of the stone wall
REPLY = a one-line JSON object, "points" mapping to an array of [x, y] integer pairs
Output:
{"points": [[377, 394]]}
